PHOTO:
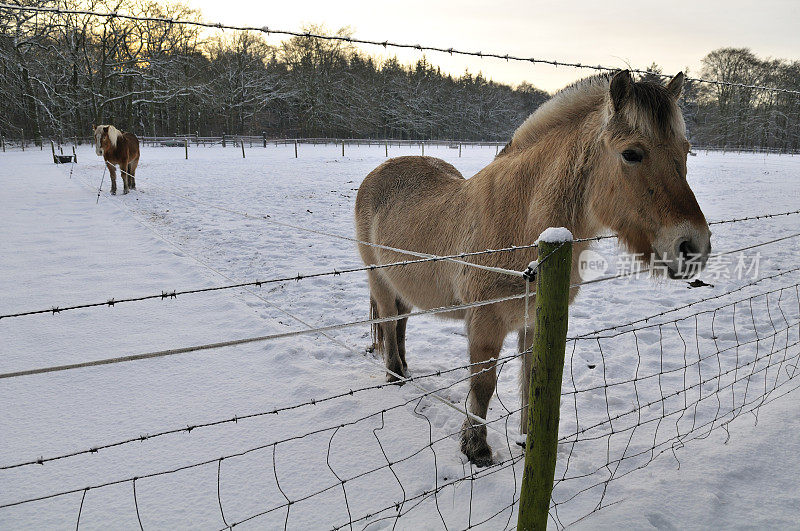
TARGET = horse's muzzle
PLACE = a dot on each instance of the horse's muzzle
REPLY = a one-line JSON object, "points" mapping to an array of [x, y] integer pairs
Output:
{"points": [[681, 251]]}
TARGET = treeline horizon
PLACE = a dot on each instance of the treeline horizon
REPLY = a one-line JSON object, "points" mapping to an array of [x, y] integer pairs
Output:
{"points": [[61, 73]]}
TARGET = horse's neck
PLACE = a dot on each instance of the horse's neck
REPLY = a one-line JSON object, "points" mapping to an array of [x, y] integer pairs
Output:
{"points": [[549, 180]]}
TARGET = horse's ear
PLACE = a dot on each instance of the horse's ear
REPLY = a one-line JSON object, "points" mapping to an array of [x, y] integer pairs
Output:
{"points": [[675, 85], [620, 88]]}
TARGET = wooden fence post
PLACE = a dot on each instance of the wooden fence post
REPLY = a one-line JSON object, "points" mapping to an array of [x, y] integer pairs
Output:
{"points": [[4, 142], [459, 150], [544, 398], [295, 148], [343, 147], [386, 146], [423, 147], [242, 142], [186, 147]]}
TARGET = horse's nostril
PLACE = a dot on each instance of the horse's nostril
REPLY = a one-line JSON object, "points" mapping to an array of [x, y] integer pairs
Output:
{"points": [[687, 248]]}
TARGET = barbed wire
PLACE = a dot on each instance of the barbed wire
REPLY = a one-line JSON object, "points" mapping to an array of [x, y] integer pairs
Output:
{"points": [[687, 305], [323, 329], [188, 428], [750, 218], [111, 302], [778, 372], [743, 370], [257, 339], [336, 426], [704, 419], [385, 44], [257, 283]]}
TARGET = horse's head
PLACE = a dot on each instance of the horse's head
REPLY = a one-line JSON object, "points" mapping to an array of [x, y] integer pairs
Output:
{"points": [[100, 132], [105, 138], [641, 191]]}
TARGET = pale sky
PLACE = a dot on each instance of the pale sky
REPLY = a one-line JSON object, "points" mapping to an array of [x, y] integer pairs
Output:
{"points": [[675, 34]]}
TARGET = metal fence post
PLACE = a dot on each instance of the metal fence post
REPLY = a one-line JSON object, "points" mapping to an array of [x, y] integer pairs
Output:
{"points": [[544, 399]]}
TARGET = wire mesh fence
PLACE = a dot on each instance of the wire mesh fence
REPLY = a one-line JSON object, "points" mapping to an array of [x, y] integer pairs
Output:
{"points": [[628, 397]]}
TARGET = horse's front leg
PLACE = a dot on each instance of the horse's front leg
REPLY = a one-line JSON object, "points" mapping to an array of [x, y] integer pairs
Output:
{"points": [[486, 333], [113, 172], [524, 345], [126, 182]]}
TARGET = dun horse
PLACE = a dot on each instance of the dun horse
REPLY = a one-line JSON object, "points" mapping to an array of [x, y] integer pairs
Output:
{"points": [[604, 153], [117, 147]]}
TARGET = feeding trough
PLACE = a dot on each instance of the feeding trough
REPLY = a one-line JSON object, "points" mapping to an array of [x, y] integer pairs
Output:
{"points": [[60, 158]]}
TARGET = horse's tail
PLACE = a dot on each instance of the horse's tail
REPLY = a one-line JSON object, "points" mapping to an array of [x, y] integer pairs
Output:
{"points": [[376, 330]]}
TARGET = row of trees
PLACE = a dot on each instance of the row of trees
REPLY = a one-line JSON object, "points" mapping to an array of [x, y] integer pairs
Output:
{"points": [[60, 73], [63, 72]]}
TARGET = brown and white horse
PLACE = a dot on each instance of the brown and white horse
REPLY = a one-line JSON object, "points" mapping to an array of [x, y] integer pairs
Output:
{"points": [[604, 153], [122, 149]]}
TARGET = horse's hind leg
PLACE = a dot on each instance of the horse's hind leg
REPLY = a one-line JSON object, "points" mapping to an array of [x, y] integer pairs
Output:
{"points": [[132, 173], [401, 333], [113, 172], [486, 333], [385, 302]]}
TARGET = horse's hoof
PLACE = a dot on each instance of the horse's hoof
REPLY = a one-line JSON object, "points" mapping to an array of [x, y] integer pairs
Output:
{"points": [[480, 457], [113, 192], [475, 447]]}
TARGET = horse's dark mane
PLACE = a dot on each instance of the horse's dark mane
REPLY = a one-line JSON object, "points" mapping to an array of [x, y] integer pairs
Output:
{"points": [[654, 100], [650, 103]]}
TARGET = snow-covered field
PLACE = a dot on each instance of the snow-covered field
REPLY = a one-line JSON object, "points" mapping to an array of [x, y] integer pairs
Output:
{"points": [[61, 248]]}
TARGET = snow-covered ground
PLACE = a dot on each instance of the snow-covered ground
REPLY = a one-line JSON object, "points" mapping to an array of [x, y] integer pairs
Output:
{"points": [[60, 248]]}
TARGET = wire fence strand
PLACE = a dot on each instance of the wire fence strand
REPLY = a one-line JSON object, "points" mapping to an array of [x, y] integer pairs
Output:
{"points": [[382, 43]]}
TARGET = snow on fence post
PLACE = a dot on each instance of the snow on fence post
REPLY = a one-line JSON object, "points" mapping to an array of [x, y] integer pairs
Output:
{"points": [[544, 398]]}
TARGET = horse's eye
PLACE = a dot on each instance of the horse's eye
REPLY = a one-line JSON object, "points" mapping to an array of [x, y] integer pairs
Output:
{"points": [[631, 155]]}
